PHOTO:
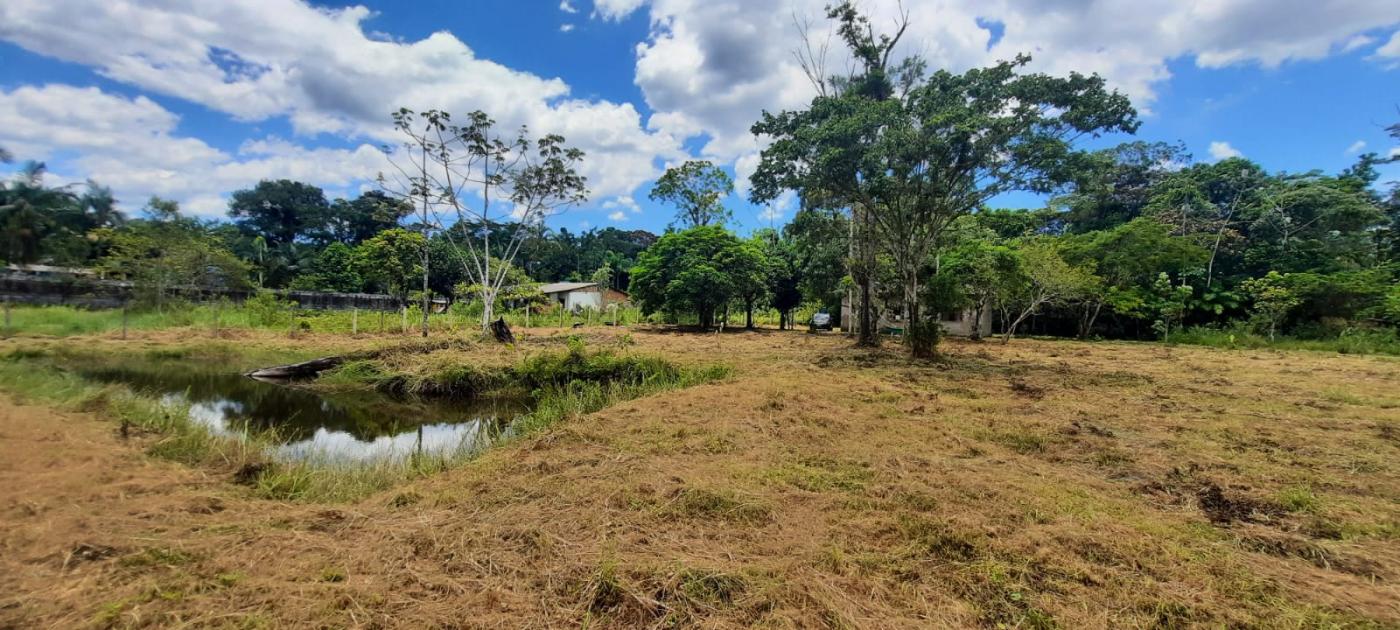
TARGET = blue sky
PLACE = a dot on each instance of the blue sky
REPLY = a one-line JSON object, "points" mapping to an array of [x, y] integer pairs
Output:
{"points": [[194, 102]]}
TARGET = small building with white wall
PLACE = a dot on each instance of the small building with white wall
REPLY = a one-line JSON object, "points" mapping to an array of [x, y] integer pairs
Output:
{"points": [[574, 296], [958, 324]]}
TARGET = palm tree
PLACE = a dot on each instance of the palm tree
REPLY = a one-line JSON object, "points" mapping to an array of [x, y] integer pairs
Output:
{"points": [[100, 207], [28, 211]]}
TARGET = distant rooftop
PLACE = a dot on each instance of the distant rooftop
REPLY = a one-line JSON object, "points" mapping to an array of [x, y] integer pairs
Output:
{"points": [[565, 287]]}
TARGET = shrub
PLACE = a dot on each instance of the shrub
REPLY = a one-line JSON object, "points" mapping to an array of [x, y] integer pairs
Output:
{"points": [[266, 309]]}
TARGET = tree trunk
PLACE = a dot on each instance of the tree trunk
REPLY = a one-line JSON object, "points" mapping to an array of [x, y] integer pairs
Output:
{"points": [[488, 302], [921, 337], [868, 336], [426, 301], [1011, 329], [423, 255], [1087, 319], [748, 314]]}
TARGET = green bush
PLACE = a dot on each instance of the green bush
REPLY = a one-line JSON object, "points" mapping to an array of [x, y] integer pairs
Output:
{"points": [[266, 309]]}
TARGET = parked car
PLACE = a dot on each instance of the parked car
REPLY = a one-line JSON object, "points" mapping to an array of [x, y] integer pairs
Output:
{"points": [[821, 321]]}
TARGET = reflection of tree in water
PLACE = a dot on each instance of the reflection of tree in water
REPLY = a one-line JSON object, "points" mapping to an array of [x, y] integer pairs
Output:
{"points": [[294, 414]]}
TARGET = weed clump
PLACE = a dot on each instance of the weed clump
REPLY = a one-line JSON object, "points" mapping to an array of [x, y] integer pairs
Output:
{"points": [[670, 597], [699, 503], [935, 540]]}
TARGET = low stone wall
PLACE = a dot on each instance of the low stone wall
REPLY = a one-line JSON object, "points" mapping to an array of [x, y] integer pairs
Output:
{"points": [[95, 293]]}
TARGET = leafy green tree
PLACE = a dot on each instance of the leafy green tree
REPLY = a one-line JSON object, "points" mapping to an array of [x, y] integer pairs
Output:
{"points": [[1313, 223], [1009, 224], [519, 289], [289, 216], [697, 188], [698, 271], [1207, 203], [921, 156], [1042, 278], [978, 275], [354, 221], [1272, 300], [1127, 259], [1114, 186], [1169, 303], [603, 276], [782, 273], [334, 269], [820, 242], [281, 211], [169, 254], [390, 261], [43, 223]]}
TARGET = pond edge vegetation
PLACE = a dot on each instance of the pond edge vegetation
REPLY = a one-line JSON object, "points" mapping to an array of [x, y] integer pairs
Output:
{"points": [[563, 385]]}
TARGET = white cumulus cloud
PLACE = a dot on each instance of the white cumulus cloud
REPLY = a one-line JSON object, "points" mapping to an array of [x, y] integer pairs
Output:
{"points": [[131, 144], [319, 68], [1222, 150], [710, 67]]}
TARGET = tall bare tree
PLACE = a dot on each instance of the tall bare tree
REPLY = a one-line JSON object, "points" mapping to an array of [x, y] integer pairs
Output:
{"points": [[463, 179]]}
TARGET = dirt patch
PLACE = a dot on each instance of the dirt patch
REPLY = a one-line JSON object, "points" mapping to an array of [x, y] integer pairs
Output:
{"points": [[1223, 509]]}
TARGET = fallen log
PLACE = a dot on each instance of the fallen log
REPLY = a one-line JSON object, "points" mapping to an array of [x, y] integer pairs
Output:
{"points": [[312, 368], [305, 369]]}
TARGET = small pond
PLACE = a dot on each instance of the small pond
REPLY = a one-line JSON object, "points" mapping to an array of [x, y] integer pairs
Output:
{"points": [[335, 427]]}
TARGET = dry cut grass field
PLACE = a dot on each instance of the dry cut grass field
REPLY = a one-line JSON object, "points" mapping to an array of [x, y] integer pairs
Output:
{"points": [[1038, 484]]}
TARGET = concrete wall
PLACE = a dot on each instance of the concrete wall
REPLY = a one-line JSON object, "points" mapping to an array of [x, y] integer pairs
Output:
{"points": [[959, 326], [583, 298], [962, 325], [93, 293]]}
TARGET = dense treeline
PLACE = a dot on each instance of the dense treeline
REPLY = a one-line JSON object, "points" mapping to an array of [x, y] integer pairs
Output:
{"points": [[896, 170], [280, 234]]}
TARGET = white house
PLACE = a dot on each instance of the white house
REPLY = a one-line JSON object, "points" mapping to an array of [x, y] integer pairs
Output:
{"points": [[957, 324], [575, 296]]}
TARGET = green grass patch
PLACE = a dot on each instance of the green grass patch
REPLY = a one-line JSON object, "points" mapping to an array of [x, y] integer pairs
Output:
{"points": [[722, 505], [275, 315], [158, 557], [1351, 341], [822, 474], [1299, 499]]}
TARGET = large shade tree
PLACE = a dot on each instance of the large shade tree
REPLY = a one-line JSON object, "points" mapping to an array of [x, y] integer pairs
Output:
{"points": [[933, 149], [281, 222], [696, 271]]}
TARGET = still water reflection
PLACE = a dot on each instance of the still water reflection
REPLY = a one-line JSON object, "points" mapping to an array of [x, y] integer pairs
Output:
{"points": [[338, 427]]}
